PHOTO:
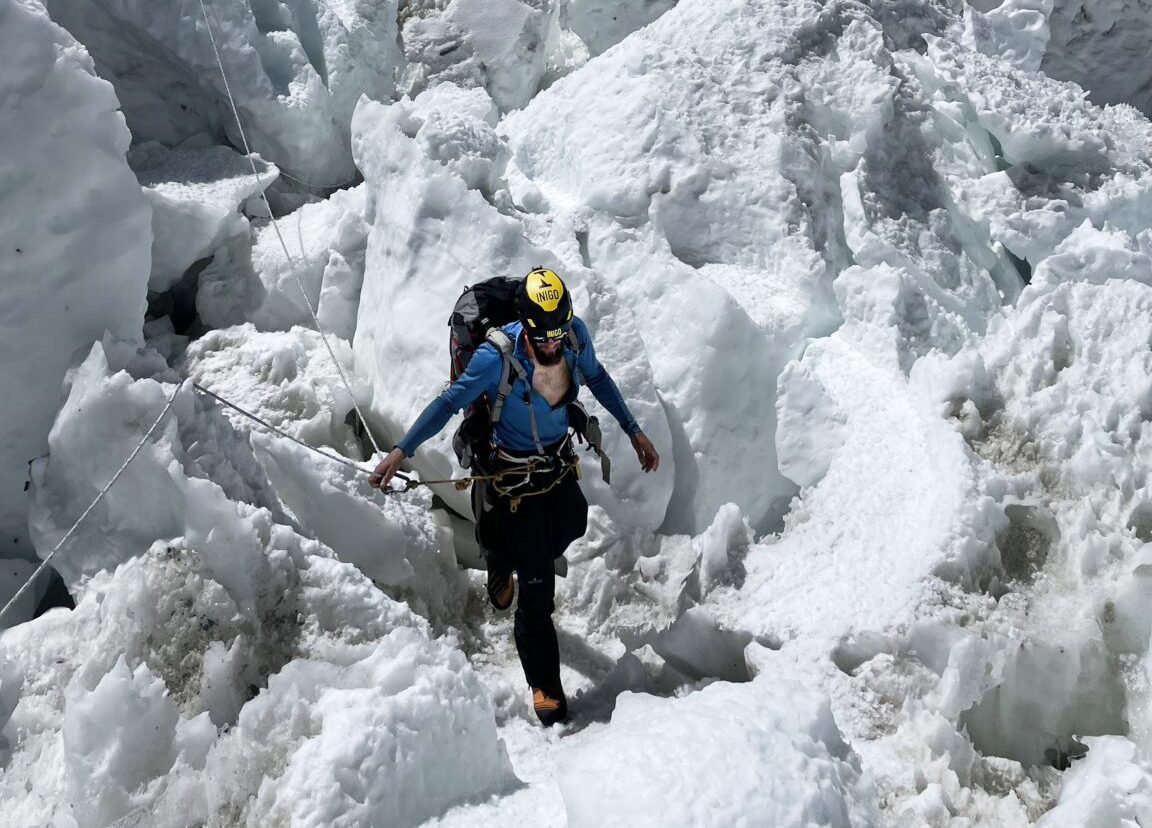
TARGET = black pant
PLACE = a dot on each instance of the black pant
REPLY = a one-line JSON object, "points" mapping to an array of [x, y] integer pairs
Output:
{"points": [[533, 628], [526, 540]]}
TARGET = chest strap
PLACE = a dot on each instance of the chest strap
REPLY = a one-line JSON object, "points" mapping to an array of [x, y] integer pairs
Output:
{"points": [[511, 365]]}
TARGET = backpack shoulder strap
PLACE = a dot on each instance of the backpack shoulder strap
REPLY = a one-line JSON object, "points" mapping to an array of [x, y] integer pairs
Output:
{"points": [[505, 346]]}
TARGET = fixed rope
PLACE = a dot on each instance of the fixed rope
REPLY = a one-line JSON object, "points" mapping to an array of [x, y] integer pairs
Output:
{"points": [[44, 564], [410, 483], [279, 235]]}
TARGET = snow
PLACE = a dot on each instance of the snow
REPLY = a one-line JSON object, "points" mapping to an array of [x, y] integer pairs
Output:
{"points": [[195, 195], [295, 72], [508, 48], [258, 278], [876, 280], [1098, 46], [76, 230], [1110, 787], [727, 752], [246, 625]]}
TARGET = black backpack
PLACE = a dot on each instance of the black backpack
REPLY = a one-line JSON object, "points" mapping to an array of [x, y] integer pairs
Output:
{"points": [[477, 317], [481, 308]]}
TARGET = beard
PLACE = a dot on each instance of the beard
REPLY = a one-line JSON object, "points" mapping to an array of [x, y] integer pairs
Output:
{"points": [[548, 359]]}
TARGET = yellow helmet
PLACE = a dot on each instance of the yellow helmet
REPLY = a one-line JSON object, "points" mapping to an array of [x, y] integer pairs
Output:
{"points": [[544, 306]]}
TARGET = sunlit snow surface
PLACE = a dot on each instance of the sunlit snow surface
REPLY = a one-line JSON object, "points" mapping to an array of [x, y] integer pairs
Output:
{"points": [[895, 567]]}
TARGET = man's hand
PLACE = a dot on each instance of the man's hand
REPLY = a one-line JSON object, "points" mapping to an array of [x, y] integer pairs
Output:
{"points": [[386, 468], [645, 452]]}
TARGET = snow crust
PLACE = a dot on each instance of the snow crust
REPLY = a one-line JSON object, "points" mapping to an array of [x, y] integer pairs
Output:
{"points": [[75, 236]]}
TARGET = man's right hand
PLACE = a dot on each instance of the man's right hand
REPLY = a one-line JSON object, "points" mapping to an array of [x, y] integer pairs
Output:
{"points": [[386, 468]]}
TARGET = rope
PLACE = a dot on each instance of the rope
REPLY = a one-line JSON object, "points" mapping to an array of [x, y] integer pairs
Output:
{"points": [[280, 433], [460, 483], [410, 483], [279, 235], [99, 497], [514, 500], [354, 180]]}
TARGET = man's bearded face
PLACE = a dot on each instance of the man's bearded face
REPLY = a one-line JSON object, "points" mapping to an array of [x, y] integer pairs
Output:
{"points": [[548, 353]]}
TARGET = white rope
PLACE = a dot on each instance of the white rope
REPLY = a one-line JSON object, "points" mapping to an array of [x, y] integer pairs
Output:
{"points": [[276, 226], [342, 460], [99, 497]]}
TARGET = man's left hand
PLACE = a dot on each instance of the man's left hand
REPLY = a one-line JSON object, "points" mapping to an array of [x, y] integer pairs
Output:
{"points": [[645, 452]]}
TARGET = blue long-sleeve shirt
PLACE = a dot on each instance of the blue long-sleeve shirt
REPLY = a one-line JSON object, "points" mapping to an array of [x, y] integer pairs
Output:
{"points": [[514, 431]]}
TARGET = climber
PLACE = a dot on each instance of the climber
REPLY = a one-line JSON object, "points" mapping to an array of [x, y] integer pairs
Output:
{"points": [[528, 518]]}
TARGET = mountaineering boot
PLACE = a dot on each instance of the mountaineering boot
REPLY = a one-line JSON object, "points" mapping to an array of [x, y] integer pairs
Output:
{"points": [[551, 706], [501, 589]]}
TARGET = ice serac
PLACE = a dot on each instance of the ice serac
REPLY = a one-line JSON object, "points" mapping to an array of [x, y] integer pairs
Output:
{"points": [[296, 71], [768, 748], [1054, 159], [288, 380], [441, 221], [196, 196], [76, 237], [1102, 47], [1099, 46], [258, 277], [506, 47], [1066, 446], [217, 660], [700, 160]]}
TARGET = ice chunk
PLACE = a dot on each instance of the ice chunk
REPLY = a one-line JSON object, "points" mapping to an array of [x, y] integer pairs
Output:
{"points": [[811, 427], [767, 748], [1111, 786], [201, 610], [318, 247], [118, 736], [195, 195], [501, 46]]}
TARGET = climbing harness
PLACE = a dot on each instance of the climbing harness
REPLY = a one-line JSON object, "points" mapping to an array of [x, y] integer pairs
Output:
{"points": [[515, 498]]}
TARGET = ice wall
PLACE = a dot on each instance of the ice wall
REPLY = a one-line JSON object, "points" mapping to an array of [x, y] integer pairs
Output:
{"points": [[196, 197], [76, 235], [1098, 46], [296, 71]]}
